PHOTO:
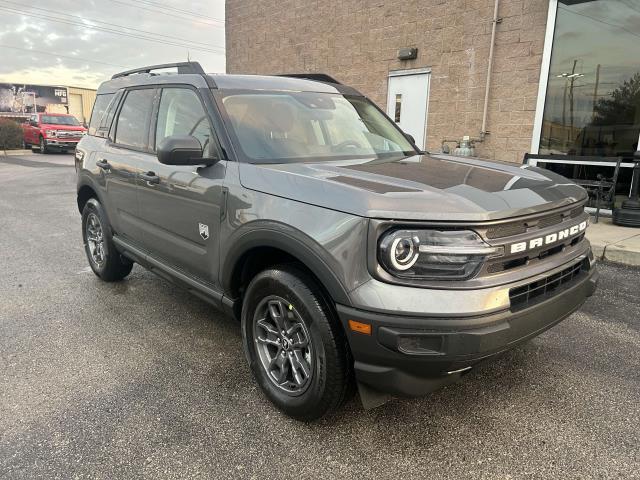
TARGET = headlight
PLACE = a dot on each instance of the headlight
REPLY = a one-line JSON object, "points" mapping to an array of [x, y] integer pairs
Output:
{"points": [[50, 133], [434, 254]]}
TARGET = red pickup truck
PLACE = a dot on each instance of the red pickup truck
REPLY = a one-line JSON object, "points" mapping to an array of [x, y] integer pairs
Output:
{"points": [[46, 131]]}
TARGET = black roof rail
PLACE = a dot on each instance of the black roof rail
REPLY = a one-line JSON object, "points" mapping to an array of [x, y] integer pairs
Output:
{"points": [[318, 77], [183, 68]]}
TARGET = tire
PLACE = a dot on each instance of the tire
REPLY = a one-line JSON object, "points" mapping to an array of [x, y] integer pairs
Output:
{"points": [[105, 261], [307, 316], [43, 146]]}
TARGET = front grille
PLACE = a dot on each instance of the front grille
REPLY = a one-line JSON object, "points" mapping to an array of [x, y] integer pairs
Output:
{"points": [[549, 221], [522, 226], [534, 292], [506, 230], [71, 134]]}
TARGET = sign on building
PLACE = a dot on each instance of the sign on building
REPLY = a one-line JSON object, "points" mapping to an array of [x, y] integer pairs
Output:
{"points": [[21, 98]]}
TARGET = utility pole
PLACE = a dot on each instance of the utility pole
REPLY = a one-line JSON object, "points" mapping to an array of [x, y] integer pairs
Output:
{"points": [[595, 93], [573, 78]]}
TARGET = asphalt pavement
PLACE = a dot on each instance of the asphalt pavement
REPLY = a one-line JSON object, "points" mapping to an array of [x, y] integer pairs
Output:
{"points": [[141, 379]]}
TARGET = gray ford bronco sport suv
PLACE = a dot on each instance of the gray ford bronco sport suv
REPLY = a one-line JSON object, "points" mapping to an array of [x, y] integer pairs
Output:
{"points": [[350, 257]]}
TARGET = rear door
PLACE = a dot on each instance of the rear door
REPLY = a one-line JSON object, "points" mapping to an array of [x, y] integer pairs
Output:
{"points": [[181, 210], [125, 154]]}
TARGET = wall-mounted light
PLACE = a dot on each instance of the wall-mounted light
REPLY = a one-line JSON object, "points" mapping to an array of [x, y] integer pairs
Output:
{"points": [[408, 53]]}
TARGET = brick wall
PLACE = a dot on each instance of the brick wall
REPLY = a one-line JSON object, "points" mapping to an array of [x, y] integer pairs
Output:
{"points": [[357, 41]]}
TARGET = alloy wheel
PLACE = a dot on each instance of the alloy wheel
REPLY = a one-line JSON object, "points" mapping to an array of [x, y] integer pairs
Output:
{"points": [[95, 239], [283, 344]]}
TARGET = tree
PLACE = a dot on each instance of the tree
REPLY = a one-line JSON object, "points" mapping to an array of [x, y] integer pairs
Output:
{"points": [[10, 134], [620, 107]]}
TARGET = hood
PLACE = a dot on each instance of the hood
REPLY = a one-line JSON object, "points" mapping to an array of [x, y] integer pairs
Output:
{"points": [[54, 126], [420, 187]]}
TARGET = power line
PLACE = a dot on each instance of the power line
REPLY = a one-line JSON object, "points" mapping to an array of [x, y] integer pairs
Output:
{"points": [[109, 30], [105, 23], [79, 59], [180, 10], [116, 32], [172, 15], [600, 21]]}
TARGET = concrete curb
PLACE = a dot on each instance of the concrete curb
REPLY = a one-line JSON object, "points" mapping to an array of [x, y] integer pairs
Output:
{"points": [[613, 243], [12, 153]]}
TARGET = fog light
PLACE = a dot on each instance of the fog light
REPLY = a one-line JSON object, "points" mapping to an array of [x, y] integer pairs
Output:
{"points": [[421, 344]]}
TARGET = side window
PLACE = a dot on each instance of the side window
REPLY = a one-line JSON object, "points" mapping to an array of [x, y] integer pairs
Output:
{"points": [[182, 113], [107, 118], [132, 126], [99, 107]]}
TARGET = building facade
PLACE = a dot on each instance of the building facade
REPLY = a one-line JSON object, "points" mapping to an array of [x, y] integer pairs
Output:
{"points": [[564, 73]]}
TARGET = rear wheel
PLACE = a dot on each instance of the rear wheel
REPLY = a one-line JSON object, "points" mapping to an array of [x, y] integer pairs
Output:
{"points": [[295, 346], [105, 261]]}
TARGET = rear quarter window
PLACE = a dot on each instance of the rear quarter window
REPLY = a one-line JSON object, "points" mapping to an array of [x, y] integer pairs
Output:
{"points": [[99, 107]]}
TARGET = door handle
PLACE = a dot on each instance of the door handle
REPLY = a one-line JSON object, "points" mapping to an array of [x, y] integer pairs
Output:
{"points": [[103, 164], [150, 177]]}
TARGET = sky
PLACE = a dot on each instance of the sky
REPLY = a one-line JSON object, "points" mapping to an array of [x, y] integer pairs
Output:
{"points": [[605, 33], [81, 44]]}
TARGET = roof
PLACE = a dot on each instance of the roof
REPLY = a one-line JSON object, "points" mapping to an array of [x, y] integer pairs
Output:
{"points": [[278, 82], [227, 81]]}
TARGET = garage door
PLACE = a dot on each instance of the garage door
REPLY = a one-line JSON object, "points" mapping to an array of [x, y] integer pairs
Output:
{"points": [[75, 106]]}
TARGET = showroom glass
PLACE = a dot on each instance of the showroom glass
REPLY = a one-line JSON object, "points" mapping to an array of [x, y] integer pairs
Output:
{"points": [[592, 105], [59, 120], [133, 120], [274, 127], [182, 113]]}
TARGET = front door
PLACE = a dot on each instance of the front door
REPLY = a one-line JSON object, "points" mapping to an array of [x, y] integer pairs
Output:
{"points": [[181, 209], [122, 159], [407, 99]]}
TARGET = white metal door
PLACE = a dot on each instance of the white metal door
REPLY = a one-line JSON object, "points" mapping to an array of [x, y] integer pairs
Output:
{"points": [[407, 99]]}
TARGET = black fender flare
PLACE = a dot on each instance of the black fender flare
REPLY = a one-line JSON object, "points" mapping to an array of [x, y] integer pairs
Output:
{"points": [[85, 180], [287, 239]]}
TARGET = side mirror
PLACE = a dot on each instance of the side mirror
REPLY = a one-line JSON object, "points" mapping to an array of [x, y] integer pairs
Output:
{"points": [[410, 137], [182, 150], [33, 123]]}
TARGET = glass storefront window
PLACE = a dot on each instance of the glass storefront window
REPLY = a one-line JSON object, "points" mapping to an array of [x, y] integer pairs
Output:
{"points": [[592, 105]]}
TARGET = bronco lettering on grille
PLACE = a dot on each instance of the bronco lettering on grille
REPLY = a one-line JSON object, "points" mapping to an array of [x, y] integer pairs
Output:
{"points": [[548, 239]]}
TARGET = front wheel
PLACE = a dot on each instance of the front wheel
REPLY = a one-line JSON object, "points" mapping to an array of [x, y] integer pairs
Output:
{"points": [[105, 261], [294, 343], [43, 146]]}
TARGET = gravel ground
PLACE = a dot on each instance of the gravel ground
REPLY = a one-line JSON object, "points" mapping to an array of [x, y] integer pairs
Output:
{"points": [[142, 379]]}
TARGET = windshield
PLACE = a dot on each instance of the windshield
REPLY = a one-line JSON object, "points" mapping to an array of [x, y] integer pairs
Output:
{"points": [[60, 120], [279, 127]]}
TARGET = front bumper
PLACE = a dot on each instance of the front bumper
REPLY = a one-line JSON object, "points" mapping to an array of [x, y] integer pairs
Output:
{"points": [[54, 143], [388, 359]]}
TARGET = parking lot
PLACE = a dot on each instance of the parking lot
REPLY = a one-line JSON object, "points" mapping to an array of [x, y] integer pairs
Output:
{"points": [[142, 379]]}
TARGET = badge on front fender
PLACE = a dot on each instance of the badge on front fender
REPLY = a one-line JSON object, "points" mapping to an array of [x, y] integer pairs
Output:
{"points": [[204, 230]]}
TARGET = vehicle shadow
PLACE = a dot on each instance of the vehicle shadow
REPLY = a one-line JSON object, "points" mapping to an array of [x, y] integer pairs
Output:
{"points": [[24, 162]]}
